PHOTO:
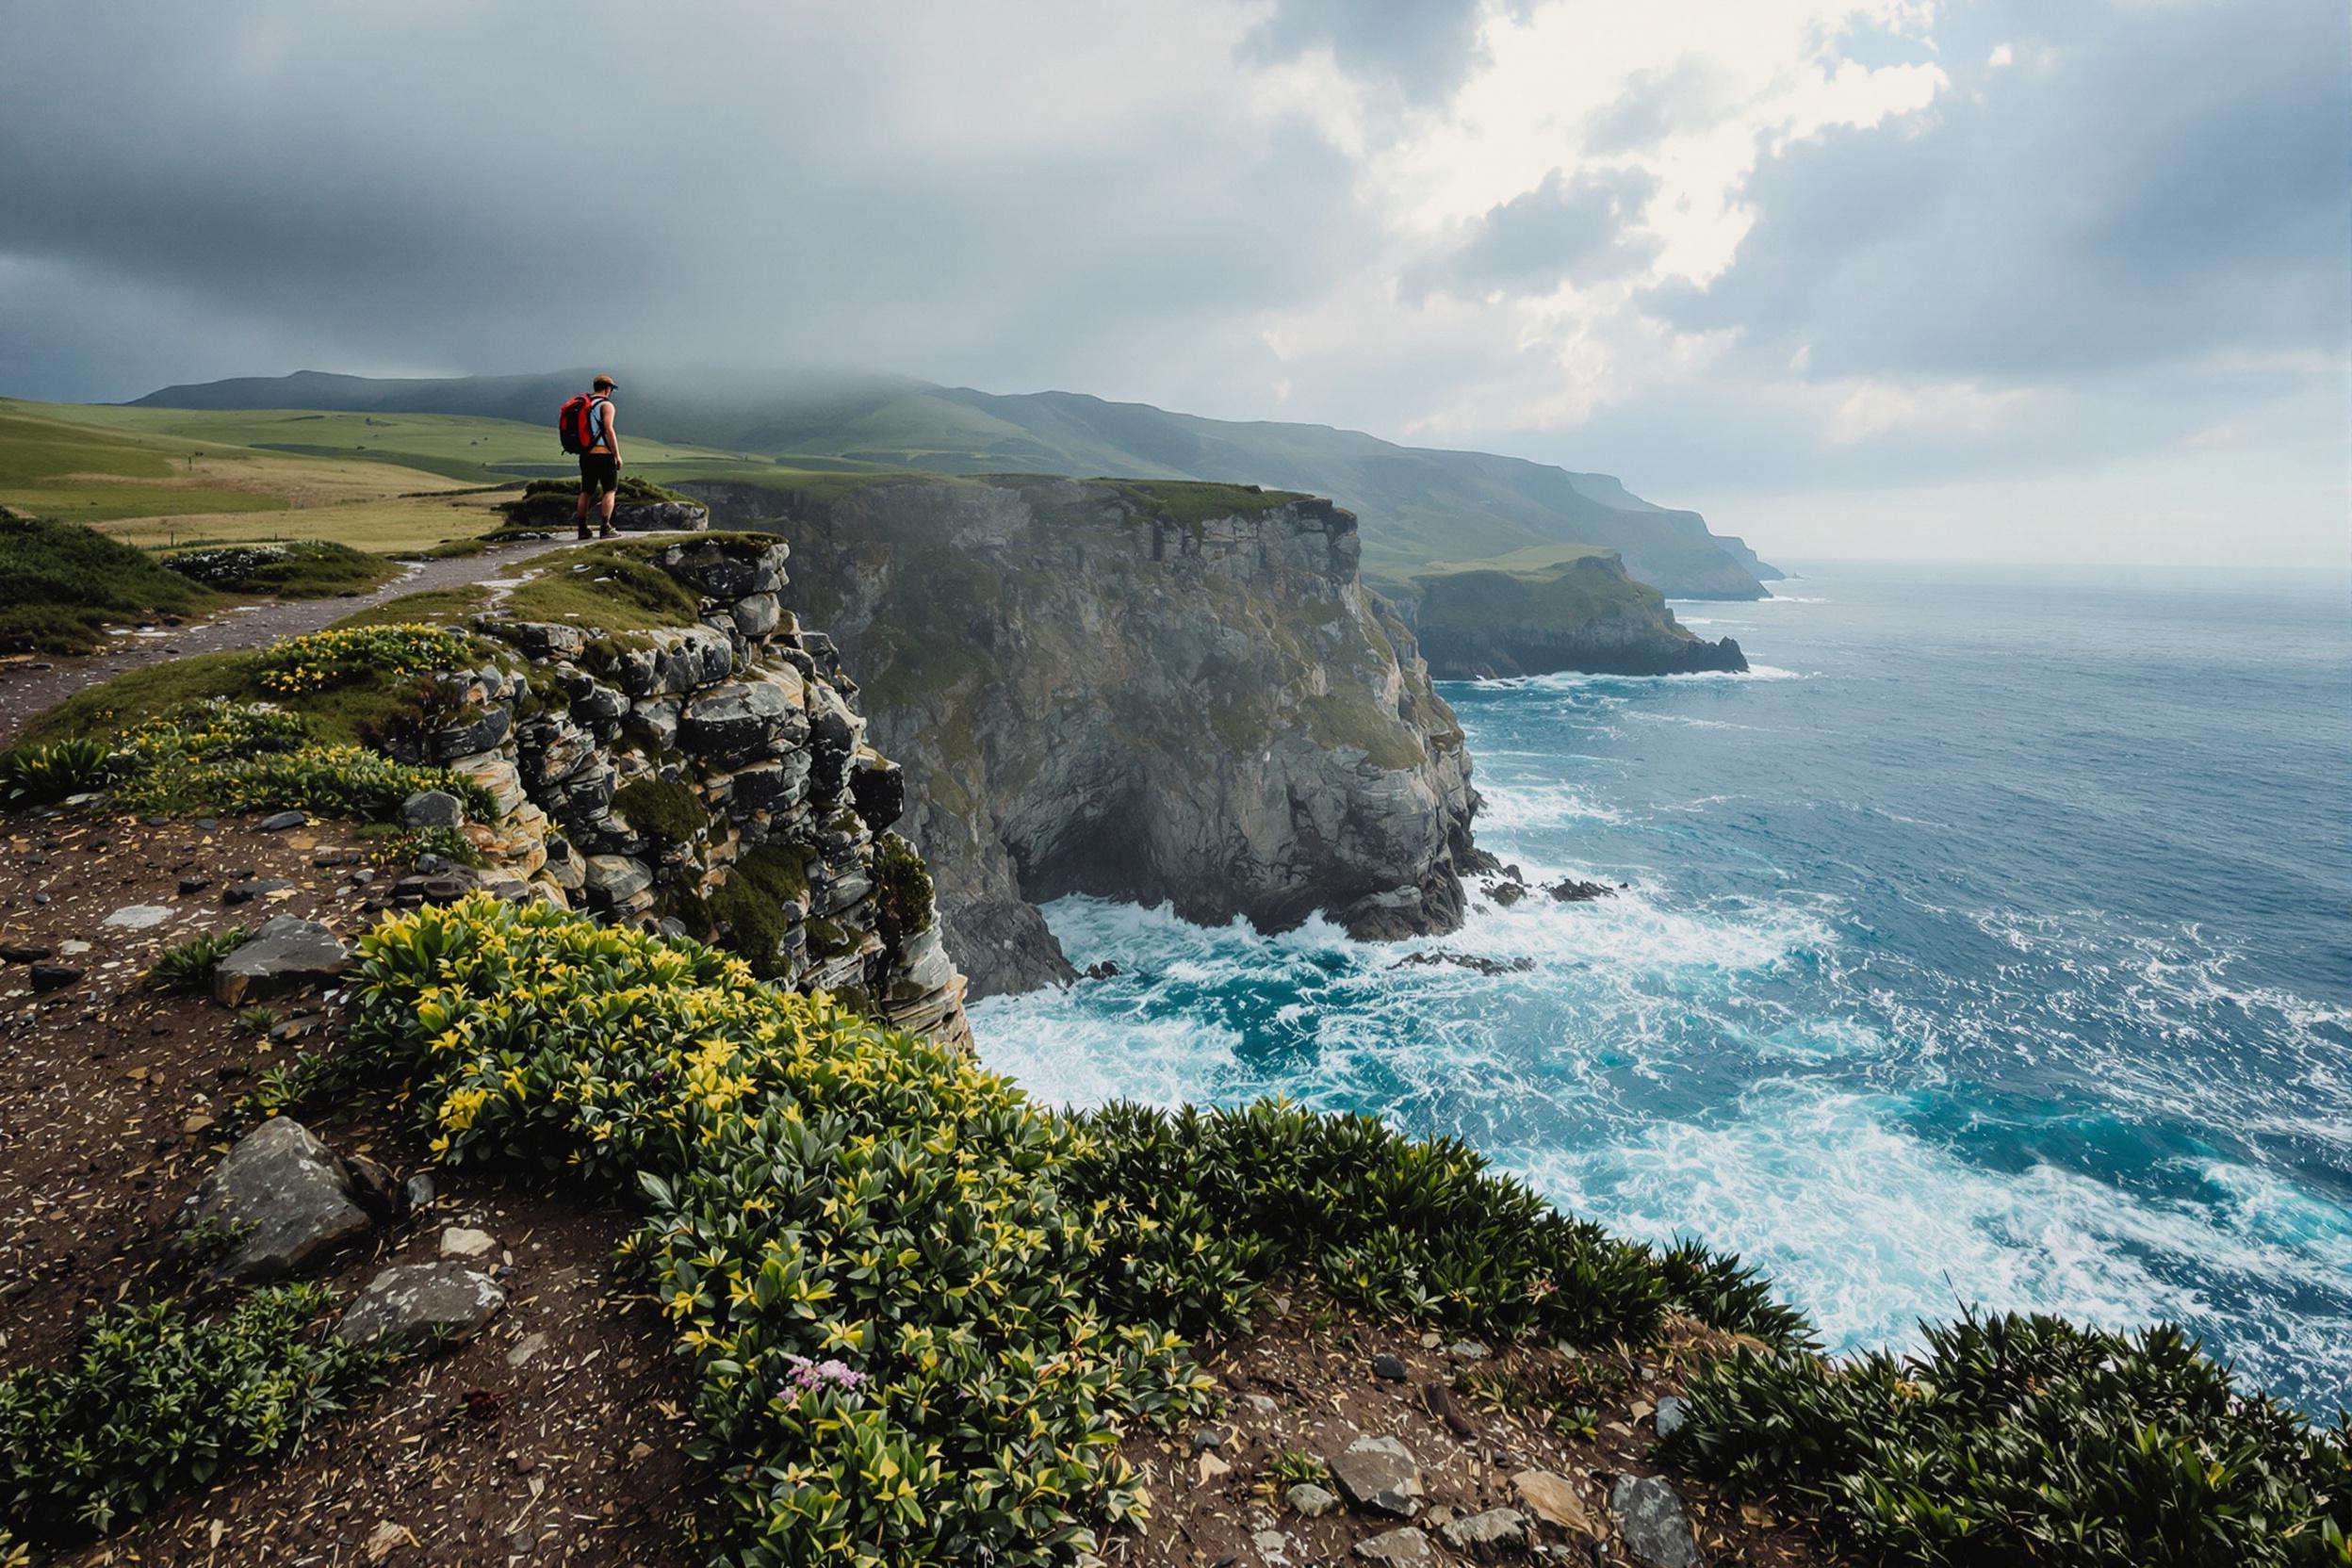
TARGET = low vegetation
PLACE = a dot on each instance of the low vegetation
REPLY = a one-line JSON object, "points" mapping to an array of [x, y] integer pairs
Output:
{"points": [[188, 966], [61, 585], [1004, 1289], [156, 1397], [292, 569], [297, 725], [2015, 1439]]}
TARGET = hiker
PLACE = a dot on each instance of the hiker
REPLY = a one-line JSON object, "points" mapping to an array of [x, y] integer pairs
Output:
{"points": [[599, 456]]}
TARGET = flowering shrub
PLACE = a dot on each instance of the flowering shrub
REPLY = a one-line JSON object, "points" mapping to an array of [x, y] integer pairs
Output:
{"points": [[250, 757], [922, 1310], [319, 660], [44, 775], [821, 1192]]}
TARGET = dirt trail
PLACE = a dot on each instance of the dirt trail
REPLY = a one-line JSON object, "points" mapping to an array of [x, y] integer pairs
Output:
{"points": [[32, 686]]}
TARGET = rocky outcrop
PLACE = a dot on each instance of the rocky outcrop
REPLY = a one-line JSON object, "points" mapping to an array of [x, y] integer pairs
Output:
{"points": [[710, 780], [280, 1199], [1152, 692], [1584, 614]]}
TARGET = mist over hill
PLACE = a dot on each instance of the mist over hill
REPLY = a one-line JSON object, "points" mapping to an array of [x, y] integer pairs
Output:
{"points": [[1419, 506]]}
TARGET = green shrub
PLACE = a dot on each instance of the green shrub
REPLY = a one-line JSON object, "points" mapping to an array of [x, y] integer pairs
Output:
{"points": [[2018, 1439], [1205, 1207], [61, 583], [665, 809], [188, 966], [1718, 1292], [247, 757], [155, 1399], [44, 775], [902, 890], [294, 569]]}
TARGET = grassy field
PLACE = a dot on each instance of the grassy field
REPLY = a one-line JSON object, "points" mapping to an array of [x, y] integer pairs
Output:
{"points": [[381, 482]]}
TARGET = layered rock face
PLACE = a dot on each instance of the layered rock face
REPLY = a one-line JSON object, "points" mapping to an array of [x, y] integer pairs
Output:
{"points": [[714, 780], [1099, 696], [1585, 615]]}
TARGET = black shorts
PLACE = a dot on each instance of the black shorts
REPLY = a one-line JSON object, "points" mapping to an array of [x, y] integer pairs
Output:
{"points": [[598, 470]]}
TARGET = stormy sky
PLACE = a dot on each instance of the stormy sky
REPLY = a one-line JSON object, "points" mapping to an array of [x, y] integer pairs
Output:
{"points": [[2021, 280]]}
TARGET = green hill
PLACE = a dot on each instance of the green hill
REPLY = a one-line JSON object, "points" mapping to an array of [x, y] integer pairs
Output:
{"points": [[1419, 506]]}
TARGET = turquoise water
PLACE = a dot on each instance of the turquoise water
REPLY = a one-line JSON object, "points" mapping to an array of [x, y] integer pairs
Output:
{"points": [[1991, 944]]}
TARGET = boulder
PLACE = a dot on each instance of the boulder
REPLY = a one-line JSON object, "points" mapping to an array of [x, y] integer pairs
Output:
{"points": [[878, 790], [615, 879], [140, 917], [286, 1198], [278, 822], [1378, 1474], [1651, 1519], [286, 955], [55, 977], [542, 638], [433, 808], [410, 1304]]}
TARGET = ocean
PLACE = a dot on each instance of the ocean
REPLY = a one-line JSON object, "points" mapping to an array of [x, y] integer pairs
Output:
{"points": [[1990, 944]]}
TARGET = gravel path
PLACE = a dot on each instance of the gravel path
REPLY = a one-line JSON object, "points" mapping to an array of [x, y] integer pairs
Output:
{"points": [[32, 686]]}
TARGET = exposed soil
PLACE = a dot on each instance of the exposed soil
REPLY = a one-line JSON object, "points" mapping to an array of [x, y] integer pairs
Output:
{"points": [[554, 1437], [1304, 1385]]}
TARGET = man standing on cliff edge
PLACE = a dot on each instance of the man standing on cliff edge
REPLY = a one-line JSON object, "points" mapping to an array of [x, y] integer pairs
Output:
{"points": [[600, 458]]}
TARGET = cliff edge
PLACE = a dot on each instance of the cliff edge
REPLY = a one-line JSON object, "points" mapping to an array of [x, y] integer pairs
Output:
{"points": [[1158, 692], [1583, 615]]}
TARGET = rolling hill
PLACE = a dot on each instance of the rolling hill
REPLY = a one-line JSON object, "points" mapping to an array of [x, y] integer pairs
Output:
{"points": [[1419, 506]]}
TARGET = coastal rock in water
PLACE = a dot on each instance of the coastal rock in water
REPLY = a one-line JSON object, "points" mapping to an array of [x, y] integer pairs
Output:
{"points": [[1585, 614], [284, 1195], [1182, 696]]}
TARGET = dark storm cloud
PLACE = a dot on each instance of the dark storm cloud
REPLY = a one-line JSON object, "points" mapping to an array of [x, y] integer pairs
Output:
{"points": [[436, 185], [2141, 185], [1582, 229]]}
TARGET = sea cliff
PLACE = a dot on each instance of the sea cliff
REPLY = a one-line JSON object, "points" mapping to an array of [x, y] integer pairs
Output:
{"points": [[1586, 614], [1152, 692]]}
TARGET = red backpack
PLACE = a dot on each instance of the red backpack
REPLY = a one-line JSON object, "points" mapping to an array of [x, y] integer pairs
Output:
{"points": [[571, 422]]}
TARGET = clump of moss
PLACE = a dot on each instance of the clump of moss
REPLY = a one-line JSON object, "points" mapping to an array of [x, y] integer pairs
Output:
{"points": [[293, 569], [901, 891], [748, 910], [665, 809]]}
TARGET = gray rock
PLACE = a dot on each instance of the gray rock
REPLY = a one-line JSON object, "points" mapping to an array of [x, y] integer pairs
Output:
{"points": [[55, 977], [737, 722], [479, 733], [417, 1192], [1404, 1548], [285, 956], [757, 614], [286, 1198], [1389, 1368], [139, 917], [1651, 1519], [433, 808], [542, 638], [253, 888], [280, 821], [409, 1304], [1466, 1350], [616, 878], [1380, 1474], [1488, 1535], [1310, 1500], [1671, 1413]]}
